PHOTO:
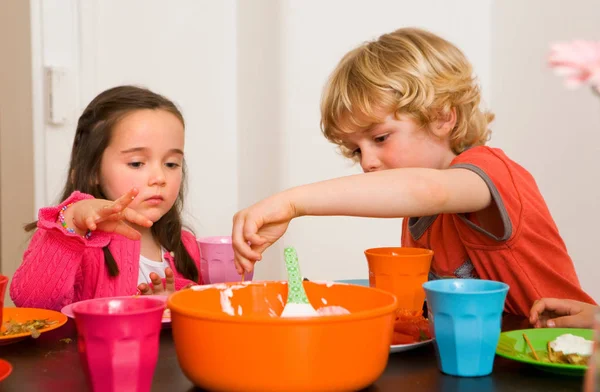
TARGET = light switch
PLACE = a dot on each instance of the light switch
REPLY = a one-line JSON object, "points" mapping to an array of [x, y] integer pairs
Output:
{"points": [[57, 96]]}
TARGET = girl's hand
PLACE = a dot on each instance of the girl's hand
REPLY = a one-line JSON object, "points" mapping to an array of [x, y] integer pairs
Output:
{"points": [[108, 216], [258, 227], [157, 287], [562, 313]]}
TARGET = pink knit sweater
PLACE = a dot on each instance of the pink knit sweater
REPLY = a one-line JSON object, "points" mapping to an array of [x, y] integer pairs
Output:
{"points": [[60, 268]]}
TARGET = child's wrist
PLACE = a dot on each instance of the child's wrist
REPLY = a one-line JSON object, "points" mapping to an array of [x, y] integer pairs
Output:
{"points": [[290, 197], [69, 218]]}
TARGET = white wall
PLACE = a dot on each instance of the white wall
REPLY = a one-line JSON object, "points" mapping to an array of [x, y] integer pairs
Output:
{"points": [[553, 132], [55, 43], [248, 76], [260, 101], [185, 51], [315, 37]]}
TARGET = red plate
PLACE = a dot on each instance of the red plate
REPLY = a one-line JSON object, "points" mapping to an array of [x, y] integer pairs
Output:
{"points": [[5, 369]]}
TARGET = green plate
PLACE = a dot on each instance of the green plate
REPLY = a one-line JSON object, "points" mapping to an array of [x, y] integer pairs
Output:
{"points": [[512, 345]]}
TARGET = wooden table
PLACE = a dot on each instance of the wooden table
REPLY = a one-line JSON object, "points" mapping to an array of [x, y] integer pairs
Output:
{"points": [[50, 363]]}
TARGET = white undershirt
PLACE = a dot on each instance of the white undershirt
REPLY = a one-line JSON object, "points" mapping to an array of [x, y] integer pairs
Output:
{"points": [[147, 266]]}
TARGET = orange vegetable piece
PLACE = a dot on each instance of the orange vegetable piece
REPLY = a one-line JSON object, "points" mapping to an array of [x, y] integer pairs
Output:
{"points": [[400, 338]]}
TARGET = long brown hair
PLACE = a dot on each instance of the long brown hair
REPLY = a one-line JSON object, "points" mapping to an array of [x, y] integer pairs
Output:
{"points": [[94, 131]]}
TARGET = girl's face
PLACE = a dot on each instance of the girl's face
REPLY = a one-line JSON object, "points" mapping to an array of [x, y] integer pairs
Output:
{"points": [[146, 152], [399, 143]]}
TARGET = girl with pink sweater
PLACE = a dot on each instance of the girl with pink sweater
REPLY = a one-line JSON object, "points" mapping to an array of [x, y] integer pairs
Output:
{"points": [[118, 230]]}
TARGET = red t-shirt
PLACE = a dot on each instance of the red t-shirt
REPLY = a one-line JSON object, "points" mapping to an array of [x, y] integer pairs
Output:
{"points": [[514, 240]]}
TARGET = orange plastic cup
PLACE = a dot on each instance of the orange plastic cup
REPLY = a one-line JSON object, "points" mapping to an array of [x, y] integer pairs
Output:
{"points": [[401, 271]]}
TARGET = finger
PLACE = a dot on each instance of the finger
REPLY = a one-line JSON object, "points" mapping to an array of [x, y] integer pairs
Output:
{"points": [[253, 238], [126, 199], [562, 307], [250, 232], [261, 248], [144, 289], [564, 322], [243, 265], [169, 280], [240, 243], [539, 307], [90, 223], [541, 321], [238, 266], [237, 235], [107, 211], [157, 284], [135, 217], [535, 311], [127, 231]]}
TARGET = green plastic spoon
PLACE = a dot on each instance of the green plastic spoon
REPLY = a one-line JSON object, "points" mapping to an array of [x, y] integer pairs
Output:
{"points": [[297, 302]]}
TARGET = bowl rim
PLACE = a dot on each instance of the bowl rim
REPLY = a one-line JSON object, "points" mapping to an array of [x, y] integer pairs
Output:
{"points": [[224, 317]]}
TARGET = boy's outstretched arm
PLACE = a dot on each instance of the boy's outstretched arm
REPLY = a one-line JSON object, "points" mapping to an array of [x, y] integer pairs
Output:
{"points": [[393, 193]]}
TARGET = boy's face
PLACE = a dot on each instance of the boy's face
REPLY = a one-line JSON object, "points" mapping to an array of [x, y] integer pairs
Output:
{"points": [[399, 143]]}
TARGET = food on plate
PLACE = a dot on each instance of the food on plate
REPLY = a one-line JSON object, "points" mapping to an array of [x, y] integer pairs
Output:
{"points": [[30, 326], [410, 327], [570, 349]]}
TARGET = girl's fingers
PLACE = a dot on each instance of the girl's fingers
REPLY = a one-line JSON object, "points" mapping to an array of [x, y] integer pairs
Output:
{"points": [[157, 283], [130, 215], [169, 280], [108, 211], [126, 199], [156, 286], [135, 217], [127, 231], [144, 289], [90, 223]]}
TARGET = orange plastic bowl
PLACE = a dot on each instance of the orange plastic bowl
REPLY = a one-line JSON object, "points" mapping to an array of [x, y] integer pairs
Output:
{"points": [[256, 350]]}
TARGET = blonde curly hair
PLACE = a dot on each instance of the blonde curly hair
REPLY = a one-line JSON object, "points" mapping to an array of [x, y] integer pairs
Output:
{"points": [[407, 72]]}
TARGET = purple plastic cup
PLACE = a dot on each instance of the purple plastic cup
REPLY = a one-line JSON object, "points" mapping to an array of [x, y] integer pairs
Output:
{"points": [[216, 261], [118, 341]]}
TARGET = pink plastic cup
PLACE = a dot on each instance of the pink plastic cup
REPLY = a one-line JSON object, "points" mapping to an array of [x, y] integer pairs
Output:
{"points": [[118, 341], [216, 260], [3, 283]]}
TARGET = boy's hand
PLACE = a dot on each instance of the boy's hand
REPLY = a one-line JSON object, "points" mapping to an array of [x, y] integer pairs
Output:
{"points": [[105, 215], [157, 287], [258, 227], [561, 313]]}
